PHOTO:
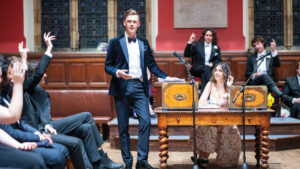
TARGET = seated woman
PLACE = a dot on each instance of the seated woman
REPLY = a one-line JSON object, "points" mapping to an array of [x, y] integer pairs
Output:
{"points": [[224, 140]]}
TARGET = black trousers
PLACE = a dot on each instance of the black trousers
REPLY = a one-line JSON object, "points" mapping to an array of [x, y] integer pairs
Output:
{"points": [[81, 136], [15, 158], [263, 79], [295, 111]]}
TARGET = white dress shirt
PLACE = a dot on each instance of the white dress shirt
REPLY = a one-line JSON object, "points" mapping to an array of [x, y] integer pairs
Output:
{"points": [[134, 59], [263, 67], [207, 50]]}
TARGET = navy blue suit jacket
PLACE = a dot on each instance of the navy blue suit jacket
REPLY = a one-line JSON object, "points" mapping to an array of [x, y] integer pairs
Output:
{"points": [[117, 58], [21, 132]]}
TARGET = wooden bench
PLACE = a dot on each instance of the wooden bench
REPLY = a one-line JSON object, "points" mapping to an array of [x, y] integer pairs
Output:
{"points": [[69, 102]]}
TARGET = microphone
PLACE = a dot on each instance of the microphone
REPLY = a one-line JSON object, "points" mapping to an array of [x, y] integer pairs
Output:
{"points": [[182, 60], [263, 56]]}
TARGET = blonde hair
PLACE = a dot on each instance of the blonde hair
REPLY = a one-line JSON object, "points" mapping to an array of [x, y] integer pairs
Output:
{"points": [[131, 12]]}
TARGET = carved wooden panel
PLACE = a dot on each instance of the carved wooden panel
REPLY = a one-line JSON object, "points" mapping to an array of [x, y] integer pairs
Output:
{"points": [[56, 73], [96, 72], [286, 69], [180, 70], [238, 69], [77, 72]]}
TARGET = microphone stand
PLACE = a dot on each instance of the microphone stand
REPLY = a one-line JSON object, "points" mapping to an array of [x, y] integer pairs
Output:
{"points": [[242, 90], [192, 82]]}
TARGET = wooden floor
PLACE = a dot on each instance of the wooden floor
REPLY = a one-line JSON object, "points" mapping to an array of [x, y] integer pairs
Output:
{"points": [[288, 159]]}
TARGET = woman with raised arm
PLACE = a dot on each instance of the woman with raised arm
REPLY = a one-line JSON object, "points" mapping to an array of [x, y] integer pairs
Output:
{"points": [[224, 140], [12, 153]]}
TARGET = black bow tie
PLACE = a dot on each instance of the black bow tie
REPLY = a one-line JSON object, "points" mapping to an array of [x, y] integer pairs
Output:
{"points": [[131, 39]]}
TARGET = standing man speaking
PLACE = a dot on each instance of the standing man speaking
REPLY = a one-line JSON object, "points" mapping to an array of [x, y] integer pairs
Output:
{"points": [[127, 59]]}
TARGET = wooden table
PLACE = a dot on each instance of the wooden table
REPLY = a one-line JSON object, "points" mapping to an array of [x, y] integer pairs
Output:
{"points": [[259, 118]]}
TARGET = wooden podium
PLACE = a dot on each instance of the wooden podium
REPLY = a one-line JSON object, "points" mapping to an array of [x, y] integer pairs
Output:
{"points": [[258, 118]]}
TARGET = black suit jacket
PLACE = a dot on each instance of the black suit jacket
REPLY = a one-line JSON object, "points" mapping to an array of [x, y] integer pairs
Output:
{"points": [[291, 88], [271, 63], [117, 58], [30, 110], [197, 52]]}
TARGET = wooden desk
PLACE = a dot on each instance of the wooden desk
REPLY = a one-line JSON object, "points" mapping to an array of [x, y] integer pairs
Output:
{"points": [[259, 118]]}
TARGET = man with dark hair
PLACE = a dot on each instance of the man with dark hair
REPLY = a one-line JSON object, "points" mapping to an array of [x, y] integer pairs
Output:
{"points": [[265, 73], [127, 60], [292, 89]]}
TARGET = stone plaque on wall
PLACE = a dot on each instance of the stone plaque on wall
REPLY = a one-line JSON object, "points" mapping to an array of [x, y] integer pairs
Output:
{"points": [[200, 13]]}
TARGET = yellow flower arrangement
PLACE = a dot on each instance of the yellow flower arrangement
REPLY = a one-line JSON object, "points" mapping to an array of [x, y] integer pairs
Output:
{"points": [[270, 100]]}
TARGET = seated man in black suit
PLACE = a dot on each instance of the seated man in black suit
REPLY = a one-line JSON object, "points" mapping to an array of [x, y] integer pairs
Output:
{"points": [[264, 74], [292, 89], [80, 125]]}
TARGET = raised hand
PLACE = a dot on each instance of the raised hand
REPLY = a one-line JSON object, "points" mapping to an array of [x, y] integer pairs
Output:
{"points": [[273, 45], [48, 40], [18, 74], [230, 80], [23, 52], [192, 37]]}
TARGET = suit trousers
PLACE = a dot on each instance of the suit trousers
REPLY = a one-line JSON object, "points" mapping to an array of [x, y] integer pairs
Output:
{"points": [[76, 149], [15, 158], [295, 111], [263, 79], [135, 96], [54, 157], [205, 76], [82, 126]]}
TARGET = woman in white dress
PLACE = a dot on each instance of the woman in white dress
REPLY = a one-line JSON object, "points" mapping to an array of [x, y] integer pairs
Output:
{"points": [[224, 140]]}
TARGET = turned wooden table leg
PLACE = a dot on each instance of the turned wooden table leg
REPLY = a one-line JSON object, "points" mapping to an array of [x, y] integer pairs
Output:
{"points": [[257, 144], [265, 147], [163, 140]]}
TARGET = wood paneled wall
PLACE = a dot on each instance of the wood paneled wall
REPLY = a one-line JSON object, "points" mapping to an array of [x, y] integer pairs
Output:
{"points": [[86, 70]]}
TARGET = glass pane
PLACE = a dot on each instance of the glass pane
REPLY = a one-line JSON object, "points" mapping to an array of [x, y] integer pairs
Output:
{"points": [[92, 22], [140, 7], [56, 18], [268, 20]]}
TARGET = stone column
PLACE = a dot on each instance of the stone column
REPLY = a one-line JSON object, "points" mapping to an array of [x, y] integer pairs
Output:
{"points": [[112, 19], [74, 32]]}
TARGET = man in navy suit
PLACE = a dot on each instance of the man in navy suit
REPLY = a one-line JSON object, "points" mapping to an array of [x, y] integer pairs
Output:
{"points": [[127, 59], [292, 89]]}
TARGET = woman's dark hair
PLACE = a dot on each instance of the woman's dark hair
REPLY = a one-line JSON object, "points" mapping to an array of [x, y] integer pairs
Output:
{"points": [[214, 34], [226, 71]]}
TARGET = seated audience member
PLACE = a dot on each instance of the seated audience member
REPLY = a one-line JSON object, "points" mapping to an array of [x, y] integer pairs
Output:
{"points": [[224, 140], [265, 72], [292, 89], [55, 155], [83, 150], [205, 54], [80, 126], [12, 153]]}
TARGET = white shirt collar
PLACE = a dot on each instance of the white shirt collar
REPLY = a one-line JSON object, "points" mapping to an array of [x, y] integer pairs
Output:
{"points": [[207, 44]]}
